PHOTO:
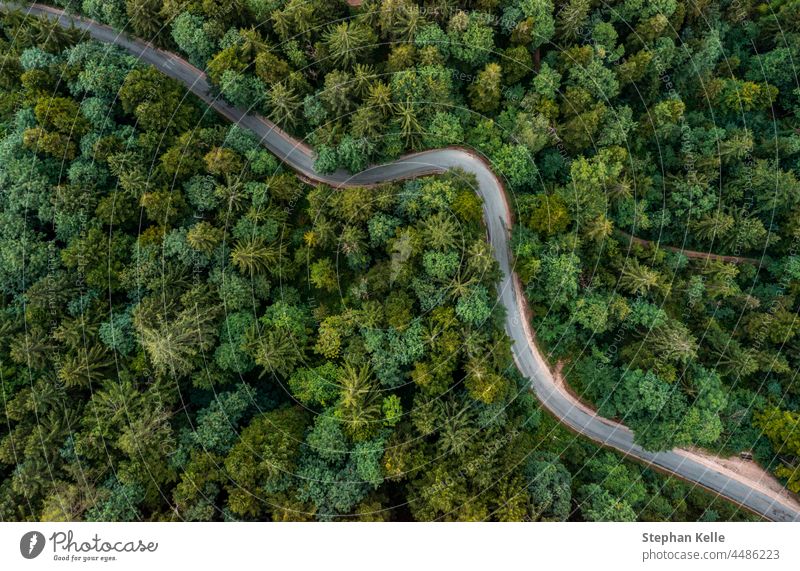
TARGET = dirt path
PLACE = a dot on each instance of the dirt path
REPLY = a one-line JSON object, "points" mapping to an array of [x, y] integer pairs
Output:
{"points": [[693, 254], [745, 471]]}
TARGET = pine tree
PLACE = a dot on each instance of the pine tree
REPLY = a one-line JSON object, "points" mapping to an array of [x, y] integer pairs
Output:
{"points": [[283, 104], [253, 256], [485, 92], [348, 43]]}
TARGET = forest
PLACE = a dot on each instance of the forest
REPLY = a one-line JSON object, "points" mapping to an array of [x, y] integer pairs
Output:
{"points": [[190, 332]]}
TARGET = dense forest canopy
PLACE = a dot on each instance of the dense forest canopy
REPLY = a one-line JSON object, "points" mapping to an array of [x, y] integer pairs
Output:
{"points": [[188, 331]]}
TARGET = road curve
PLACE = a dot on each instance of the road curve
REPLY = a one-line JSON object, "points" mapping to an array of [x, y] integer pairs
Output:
{"points": [[754, 494]]}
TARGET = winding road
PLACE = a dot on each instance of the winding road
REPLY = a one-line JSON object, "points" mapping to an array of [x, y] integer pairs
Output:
{"points": [[753, 489]]}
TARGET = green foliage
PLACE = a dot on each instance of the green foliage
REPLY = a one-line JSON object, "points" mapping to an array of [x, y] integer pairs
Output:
{"points": [[191, 35], [157, 102], [265, 455], [164, 280], [317, 386], [782, 427], [175, 338], [471, 39], [441, 265], [473, 307], [485, 92], [216, 428], [549, 485], [599, 505], [349, 42]]}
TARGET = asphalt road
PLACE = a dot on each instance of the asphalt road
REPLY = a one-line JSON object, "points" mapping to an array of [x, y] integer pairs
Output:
{"points": [[682, 463]]}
